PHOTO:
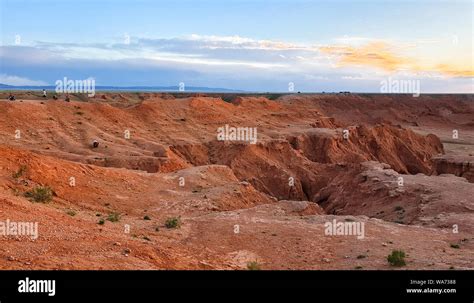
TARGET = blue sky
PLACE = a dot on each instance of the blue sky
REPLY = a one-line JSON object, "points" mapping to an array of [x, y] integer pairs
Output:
{"points": [[250, 45]]}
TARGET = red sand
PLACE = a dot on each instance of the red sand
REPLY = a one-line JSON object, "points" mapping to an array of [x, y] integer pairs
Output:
{"points": [[229, 184]]}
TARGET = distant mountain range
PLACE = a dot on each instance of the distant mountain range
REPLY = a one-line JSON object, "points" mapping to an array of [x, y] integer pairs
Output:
{"points": [[128, 88]]}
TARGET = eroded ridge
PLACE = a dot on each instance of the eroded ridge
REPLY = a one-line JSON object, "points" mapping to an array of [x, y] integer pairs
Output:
{"points": [[146, 181]]}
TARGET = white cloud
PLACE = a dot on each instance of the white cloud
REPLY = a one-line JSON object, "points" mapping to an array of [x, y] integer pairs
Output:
{"points": [[234, 61], [190, 51], [216, 62], [19, 81], [353, 40], [230, 39]]}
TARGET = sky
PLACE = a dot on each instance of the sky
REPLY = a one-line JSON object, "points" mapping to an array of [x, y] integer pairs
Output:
{"points": [[254, 45]]}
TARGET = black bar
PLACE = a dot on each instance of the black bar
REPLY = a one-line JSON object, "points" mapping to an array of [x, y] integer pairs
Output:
{"points": [[91, 285]]}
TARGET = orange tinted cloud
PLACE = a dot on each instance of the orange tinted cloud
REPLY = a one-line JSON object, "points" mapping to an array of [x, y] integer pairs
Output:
{"points": [[382, 55], [374, 54], [455, 71]]}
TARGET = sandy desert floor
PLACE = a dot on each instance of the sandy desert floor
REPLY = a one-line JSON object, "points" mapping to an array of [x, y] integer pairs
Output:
{"points": [[388, 161]]}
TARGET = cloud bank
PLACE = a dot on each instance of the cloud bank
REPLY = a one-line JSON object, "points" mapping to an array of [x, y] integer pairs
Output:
{"points": [[346, 63]]}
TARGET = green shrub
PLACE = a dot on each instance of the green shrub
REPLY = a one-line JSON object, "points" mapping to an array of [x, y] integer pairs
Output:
{"points": [[19, 173], [454, 245], [173, 222], [253, 265], [101, 222], [71, 212], [41, 194], [113, 217], [146, 218], [228, 99], [397, 258], [273, 97]]}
